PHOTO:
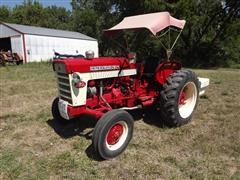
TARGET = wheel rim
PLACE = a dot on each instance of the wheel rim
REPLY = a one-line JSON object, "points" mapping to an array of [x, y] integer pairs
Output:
{"points": [[117, 135], [187, 99]]}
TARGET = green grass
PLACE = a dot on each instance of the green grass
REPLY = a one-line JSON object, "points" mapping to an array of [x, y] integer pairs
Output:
{"points": [[10, 166], [206, 148], [235, 66]]}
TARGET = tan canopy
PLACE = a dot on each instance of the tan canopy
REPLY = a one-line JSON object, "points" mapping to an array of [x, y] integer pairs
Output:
{"points": [[155, 22]]}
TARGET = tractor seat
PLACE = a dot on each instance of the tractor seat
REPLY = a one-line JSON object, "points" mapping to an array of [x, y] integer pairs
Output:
{"points": [[150, 66]]}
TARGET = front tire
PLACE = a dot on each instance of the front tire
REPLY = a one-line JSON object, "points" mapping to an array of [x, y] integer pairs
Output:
{"points": [[55, 112], [179, 97], [112, 133]]}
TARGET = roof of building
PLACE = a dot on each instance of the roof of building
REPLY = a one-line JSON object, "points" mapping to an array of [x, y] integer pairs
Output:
{"points": [[34, 30]]}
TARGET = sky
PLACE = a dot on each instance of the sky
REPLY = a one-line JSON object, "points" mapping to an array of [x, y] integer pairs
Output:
{"points": [[60, 3]]}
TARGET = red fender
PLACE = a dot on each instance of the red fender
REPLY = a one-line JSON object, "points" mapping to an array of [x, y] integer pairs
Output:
{"points": [[165, 69]]}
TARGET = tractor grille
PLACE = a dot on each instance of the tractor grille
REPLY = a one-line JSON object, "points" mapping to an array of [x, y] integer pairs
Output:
{"points": [[64, 87]]}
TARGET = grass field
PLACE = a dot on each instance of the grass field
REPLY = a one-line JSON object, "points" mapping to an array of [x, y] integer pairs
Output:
{"points": [[33, 146]]}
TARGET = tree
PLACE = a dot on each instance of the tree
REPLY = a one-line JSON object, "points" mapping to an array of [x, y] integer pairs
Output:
{"points": [[33, 13], [58, 18], [5, 14], [211, 36], [29, 13], [205, 32], [85, 21]]}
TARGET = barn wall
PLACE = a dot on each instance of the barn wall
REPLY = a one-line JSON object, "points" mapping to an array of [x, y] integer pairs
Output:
{"points": [[7, 32], [17, 45], [41, 48]]}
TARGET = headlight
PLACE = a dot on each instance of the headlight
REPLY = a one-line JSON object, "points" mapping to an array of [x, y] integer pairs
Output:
{"points": [[76, 78], [76, 81]]}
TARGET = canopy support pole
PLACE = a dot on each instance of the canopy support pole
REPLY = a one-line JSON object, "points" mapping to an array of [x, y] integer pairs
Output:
{"points": [[176, 39], [170, 48], [169, 51]]}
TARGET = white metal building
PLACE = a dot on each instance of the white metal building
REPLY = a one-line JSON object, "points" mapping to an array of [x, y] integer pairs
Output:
{"points": [[39, 44]]}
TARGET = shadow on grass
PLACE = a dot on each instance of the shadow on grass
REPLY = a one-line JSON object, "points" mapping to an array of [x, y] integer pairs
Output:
{"points": [[149, 116], [92, 154], [76, 127]]}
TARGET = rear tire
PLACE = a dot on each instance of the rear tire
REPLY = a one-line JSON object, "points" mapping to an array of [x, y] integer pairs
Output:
{"points": [[179, 98], [112, 133], [55, 112]]}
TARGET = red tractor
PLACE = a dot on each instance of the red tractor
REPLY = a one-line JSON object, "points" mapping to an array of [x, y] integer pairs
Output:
{"points": [[108, 87], [9, 57]]}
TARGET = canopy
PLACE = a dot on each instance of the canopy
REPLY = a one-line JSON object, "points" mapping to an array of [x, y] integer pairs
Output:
{"points": [[154, 22]]}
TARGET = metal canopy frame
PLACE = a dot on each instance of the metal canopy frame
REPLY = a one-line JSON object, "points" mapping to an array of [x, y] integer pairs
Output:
{"points": [[170, 47]]}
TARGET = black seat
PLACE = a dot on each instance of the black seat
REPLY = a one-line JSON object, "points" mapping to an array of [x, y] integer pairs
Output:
{"points": [[150, 65]]}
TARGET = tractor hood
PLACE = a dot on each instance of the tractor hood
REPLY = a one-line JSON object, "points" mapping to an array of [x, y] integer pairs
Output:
{"points": [[93, 65]]}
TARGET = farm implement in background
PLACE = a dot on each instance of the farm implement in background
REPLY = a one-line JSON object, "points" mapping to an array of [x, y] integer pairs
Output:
{"points": [[9, 57]]}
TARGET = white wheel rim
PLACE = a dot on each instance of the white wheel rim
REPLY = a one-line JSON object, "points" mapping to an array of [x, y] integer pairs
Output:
{"points": [[122, 138], [190, 91]]}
